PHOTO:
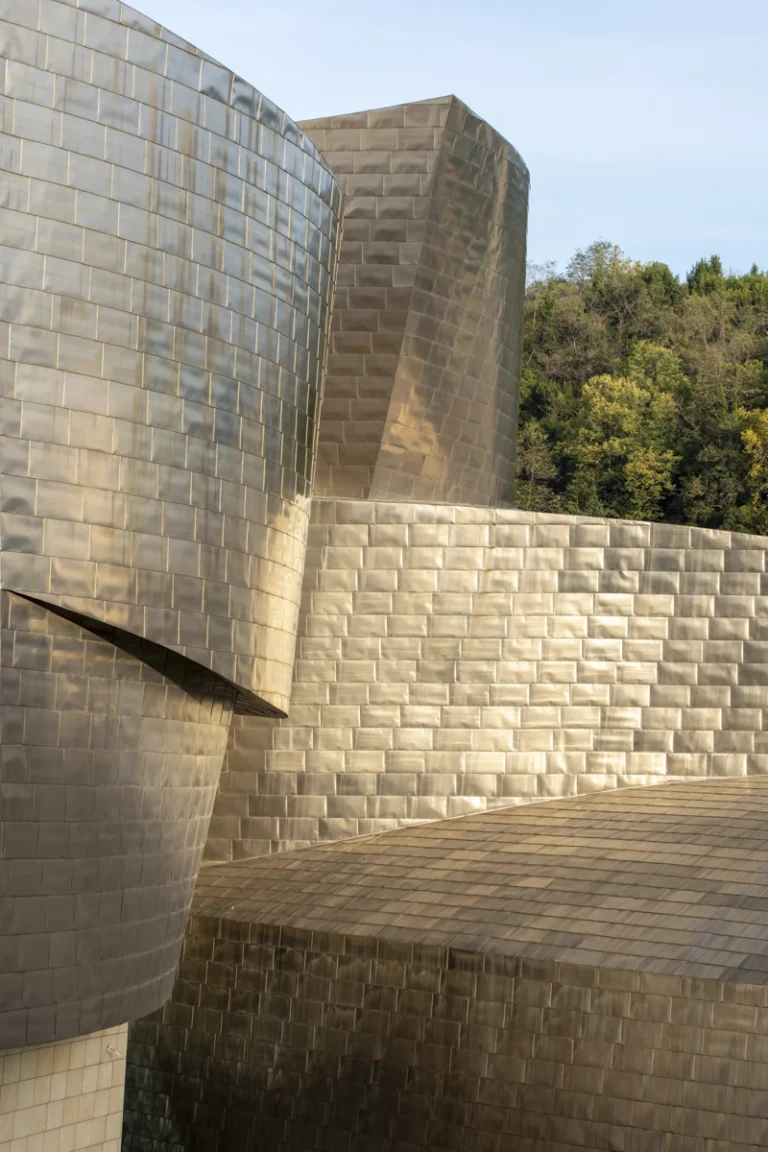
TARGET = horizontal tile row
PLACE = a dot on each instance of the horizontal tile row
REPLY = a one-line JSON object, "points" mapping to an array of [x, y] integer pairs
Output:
{"points": [[317, 1039]]}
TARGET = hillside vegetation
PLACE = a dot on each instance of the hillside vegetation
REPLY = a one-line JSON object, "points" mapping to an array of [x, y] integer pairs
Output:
{"points": [[643, 396]]}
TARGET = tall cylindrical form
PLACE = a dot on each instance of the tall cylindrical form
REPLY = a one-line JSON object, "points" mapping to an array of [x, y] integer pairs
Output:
{"points": [[168, 243]]}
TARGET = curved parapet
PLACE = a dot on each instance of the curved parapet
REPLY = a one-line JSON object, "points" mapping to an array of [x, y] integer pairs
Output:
{"points": [[633, 880], [452, 659], [167, 258], [424, 371]]}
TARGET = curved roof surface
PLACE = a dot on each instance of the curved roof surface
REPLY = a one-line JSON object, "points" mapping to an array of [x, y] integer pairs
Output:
{"points": [[668, 879]]}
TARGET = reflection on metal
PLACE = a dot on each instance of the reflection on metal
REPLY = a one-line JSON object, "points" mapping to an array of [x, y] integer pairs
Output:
{"points": [[168, 244], [452, 659], [424, 372], [167, 248], [83, 1081], [581, 976], [112, 749]]}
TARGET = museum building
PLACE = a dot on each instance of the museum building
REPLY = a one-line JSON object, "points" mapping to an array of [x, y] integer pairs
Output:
{"points": [[343, 806]]}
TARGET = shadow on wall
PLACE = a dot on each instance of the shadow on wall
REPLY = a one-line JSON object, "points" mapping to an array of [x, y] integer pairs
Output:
{"points": [[111, 755], [547, 977]]}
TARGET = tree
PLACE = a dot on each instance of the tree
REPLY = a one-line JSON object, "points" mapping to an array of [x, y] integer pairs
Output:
{"points": [[706, 275], [635, 388], [623, 451], [754, 436], [535, 466]]}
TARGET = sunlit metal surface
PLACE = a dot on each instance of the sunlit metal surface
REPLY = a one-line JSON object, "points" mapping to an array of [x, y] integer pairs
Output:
{"points": [[168, 241], [582, 976], [453, 659], [167, 247], [423, 378]]}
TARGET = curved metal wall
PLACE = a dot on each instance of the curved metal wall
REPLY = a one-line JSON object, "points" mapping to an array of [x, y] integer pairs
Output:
{"points": [[584, 976], [451, 431], [167, 256], [168, 243], [424, 371], [112, 748], [385, 162]]}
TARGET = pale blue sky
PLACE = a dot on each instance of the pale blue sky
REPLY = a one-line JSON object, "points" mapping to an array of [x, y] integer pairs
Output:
{"points": [[643, 122]]}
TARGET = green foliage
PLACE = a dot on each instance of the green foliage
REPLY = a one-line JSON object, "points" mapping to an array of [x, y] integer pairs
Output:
{"points": [[645, 397], [754, 437]]}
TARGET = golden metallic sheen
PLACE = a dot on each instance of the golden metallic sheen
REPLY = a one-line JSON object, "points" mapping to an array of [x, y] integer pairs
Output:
{"points": [[167, 247], [168, 243], [581, 976], [424, 369]]}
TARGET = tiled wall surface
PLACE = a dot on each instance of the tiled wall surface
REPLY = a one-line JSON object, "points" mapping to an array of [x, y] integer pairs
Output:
{"points": [[281, 1039], [385, 161], [167, 255], [111, 753], [423, 376], [550, 983], [587, 975], [168, 243], [65, 1097], [663, 879], [451, 429], [453, 659]]}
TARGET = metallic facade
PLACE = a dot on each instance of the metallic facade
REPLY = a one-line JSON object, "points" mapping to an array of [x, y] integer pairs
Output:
{"points": [[452, 659], [582, 976], [424, 372], [563, 882], [112, 749], [64, 1096], [168, 241]]}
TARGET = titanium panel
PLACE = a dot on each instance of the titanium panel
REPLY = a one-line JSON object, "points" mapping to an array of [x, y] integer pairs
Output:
{"points": [[453, 659], [619, 879], [111, 753], [424, 371], [65, 1096], [385, 162], [167, 259], [573, 977]]}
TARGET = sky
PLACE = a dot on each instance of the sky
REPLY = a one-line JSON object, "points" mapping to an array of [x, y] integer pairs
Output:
{"points": [[643, 122]]}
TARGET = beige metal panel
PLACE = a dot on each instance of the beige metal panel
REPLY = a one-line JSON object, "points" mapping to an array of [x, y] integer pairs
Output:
{"points": [[452, 423], [453, 659], [424, 371], [112, 749], [65, 1095], [168, 247], [578, 976], [385, 161], [621, 880], [167, 260]]}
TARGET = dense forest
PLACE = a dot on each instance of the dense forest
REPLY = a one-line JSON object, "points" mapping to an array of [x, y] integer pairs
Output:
{"points": [[643, 396]]}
